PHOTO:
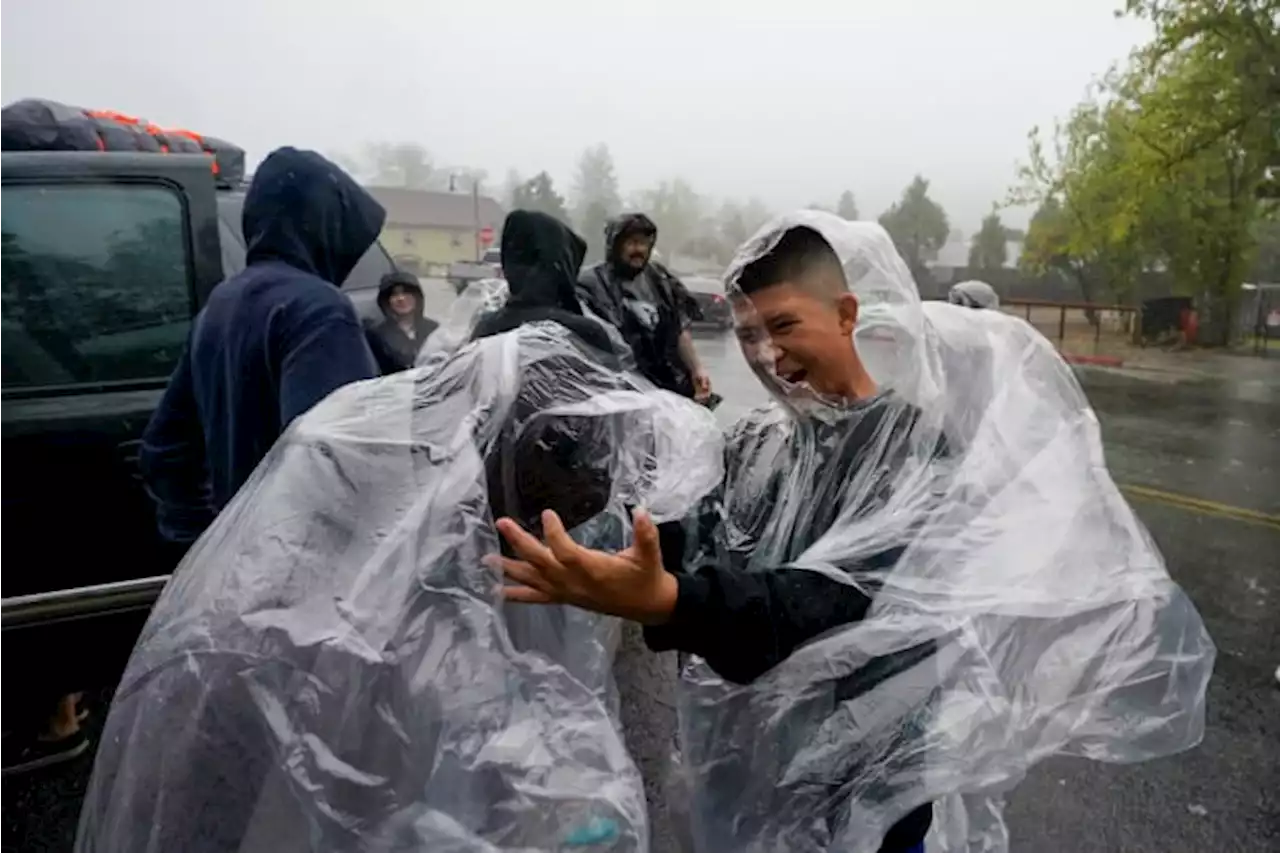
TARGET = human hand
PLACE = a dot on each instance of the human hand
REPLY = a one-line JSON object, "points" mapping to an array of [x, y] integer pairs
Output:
{"points": [[701, 385], [631, 584]]}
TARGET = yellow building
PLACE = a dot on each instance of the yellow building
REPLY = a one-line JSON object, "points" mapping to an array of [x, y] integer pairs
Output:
{"points": [[427, 230]]}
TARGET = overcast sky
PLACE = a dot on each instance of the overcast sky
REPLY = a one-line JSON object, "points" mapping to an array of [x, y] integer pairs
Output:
{"points": [[792, 101]]}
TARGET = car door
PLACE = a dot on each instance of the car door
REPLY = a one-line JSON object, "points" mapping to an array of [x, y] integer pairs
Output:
{"points": [[105, 260]]}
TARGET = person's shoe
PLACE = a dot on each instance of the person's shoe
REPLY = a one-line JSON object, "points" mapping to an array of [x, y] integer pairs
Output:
{"points": [[32, 753]]}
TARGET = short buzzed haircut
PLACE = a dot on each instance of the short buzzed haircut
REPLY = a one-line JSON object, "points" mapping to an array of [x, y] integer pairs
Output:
{"points": [[802, 257]]}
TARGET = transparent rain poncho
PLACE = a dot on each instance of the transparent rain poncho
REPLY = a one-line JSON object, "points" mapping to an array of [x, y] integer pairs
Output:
{"points": [[331, 668], [1019, 608], [486, 296]]}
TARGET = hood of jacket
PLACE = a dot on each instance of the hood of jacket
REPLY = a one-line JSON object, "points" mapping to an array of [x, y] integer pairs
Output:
{"points": [[390, 282], [973, 294], [308, 213], [622, 226], [541, 257]]}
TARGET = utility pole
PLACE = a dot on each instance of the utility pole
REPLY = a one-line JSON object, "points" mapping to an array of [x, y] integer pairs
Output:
{"points": [[475, 216], [475, 209]]}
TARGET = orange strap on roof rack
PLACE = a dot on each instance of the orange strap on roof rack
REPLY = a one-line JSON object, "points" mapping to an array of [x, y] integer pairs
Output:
{"points": [[161, 135], [198, 140], [113, 115], [189, 134]]}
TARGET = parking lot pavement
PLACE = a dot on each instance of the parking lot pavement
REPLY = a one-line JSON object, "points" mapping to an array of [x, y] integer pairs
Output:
{"points": [[1199, 458]]}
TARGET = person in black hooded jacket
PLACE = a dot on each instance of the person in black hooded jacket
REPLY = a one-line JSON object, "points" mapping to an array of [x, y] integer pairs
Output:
{"points": [[271, 342], [398, 338], [540, 259]]}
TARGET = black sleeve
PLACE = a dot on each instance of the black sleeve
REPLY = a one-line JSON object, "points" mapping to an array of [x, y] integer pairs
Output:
{"points": [[745, 623], [385, 357]]}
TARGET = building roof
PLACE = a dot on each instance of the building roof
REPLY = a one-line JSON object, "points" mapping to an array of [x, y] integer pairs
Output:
{"points": [[432, 209], [955, 254]]}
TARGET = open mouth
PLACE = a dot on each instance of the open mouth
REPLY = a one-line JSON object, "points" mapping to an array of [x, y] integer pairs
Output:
{"points": [[795, 377]]}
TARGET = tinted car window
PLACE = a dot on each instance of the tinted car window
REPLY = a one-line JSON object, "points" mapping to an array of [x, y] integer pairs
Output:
{"points": [[368, 271], [96, 283]]}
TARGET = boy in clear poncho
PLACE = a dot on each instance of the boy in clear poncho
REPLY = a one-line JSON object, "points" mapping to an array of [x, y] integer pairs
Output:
{"points": [[915, 618], [330, 668]]}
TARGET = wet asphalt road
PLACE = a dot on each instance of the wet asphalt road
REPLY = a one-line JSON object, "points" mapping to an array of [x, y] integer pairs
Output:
{"points": [[1202, 453]]}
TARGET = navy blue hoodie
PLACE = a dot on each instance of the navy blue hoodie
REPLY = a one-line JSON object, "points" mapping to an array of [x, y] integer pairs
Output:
{"points": [[270, 343]]}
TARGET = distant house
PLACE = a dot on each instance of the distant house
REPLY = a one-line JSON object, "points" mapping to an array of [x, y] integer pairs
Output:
{"points": [[953, 260], [427, 229]]}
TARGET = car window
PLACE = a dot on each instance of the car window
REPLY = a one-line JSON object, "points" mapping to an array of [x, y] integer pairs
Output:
{"points": [[367, 273], [96, 283], [369, 270]]}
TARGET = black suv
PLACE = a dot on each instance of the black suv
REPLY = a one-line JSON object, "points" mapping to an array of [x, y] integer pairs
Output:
{"points": [[106, 259]]}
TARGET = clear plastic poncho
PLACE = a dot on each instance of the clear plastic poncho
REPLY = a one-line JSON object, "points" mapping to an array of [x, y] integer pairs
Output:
{"points": [[331, 667], [1019, 608]]}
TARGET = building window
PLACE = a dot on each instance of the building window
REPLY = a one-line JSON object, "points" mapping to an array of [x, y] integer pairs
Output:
{"points": [[95, 283]]}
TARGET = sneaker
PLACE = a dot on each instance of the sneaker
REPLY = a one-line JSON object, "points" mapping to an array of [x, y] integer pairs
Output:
{"points": [[31, 753]]}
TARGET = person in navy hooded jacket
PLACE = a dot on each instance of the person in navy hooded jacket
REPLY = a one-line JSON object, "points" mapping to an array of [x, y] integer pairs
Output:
{"points": [[271, 342]]}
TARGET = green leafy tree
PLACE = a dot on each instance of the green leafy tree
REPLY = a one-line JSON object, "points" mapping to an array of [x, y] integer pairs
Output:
{"points": [[917, 224], [1085, 224], [595, 197], [989, 249], [539, 193], [1206, 100], [847, 207], [1266, 265]]}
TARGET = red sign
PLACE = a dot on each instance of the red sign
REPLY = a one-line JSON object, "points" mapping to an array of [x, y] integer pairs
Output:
{"points": [[486, 235]]}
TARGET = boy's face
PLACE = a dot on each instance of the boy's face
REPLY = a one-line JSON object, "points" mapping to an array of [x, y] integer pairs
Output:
{"points": [[403, 302], [800, 336]]}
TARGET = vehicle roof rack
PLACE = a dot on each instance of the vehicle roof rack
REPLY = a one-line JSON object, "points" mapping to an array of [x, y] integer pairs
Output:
{"points": [[34, 124]]}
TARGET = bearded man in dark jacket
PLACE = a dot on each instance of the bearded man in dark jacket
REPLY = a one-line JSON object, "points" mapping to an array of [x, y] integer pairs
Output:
{"points": [[649, 306]]}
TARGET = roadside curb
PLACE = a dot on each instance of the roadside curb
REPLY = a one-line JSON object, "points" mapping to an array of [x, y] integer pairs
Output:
{"points": [[1094, 360]]}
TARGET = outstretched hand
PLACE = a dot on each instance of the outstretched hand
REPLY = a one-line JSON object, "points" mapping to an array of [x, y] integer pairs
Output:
{"points": [[631, 584]]}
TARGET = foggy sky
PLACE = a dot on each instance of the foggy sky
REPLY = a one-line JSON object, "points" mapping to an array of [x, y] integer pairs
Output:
{"points": [[792, 101]]}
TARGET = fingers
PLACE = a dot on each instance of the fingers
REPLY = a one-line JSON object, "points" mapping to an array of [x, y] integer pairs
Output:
{"points": [[647, 547], [561, 544], [524, 574], [527, 595], [526, 546]]}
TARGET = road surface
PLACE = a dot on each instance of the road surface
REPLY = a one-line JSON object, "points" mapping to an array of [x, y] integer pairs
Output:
{"points": [[1199, 457]]}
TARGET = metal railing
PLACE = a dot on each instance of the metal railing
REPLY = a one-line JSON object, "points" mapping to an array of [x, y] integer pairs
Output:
{"points": [[1073, 325]]}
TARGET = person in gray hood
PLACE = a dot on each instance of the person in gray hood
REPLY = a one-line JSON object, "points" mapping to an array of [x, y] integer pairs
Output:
{"points": [[973, 294], [648, 305]]}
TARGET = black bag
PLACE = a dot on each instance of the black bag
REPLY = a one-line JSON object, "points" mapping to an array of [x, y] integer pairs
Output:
{"points": [[114, 135], [37, 125], [182, 143]]}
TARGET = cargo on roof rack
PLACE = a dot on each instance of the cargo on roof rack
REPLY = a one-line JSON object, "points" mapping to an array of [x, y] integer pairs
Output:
{"points": [[34, 124]]}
